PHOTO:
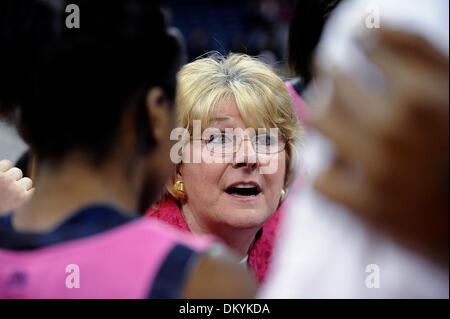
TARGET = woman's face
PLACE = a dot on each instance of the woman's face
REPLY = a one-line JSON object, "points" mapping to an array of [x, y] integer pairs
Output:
{"points": [[235, 194]]}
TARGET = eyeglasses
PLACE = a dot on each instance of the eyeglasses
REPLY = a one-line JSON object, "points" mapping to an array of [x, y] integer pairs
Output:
{"points": [[225, 143]]}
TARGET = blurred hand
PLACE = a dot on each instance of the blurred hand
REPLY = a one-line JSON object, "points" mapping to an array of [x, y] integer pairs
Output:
{"points": [[15, 189], [392, 149]]}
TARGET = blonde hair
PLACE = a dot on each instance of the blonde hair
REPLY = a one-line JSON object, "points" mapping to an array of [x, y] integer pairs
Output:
{"points": [[261, 97]]}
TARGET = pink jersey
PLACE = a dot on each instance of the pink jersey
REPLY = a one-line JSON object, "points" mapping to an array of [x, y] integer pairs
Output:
{"points": [[140, 259]]}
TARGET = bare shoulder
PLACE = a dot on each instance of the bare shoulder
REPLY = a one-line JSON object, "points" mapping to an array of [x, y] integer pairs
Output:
{"points": [[218, 274]]}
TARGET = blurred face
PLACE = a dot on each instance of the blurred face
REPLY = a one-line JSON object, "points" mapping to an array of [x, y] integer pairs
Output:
{"points": [[157, 166], [235, 194]]}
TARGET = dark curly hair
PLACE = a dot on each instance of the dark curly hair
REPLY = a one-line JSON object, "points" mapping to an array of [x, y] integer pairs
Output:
{"points": [[72, 86], [305, 31]]}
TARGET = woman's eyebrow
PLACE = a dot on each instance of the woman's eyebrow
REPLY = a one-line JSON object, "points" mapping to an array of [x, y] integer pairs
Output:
{"points": [[220, 118]]}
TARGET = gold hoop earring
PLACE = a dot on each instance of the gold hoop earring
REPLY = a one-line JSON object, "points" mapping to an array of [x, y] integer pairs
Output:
{"points": [[179, 187], [283, 195]]}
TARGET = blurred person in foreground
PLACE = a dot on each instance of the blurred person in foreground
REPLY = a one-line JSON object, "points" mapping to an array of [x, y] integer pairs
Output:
{"points": [[382, 99], [305, 30], [96, 108], [15, 189]]}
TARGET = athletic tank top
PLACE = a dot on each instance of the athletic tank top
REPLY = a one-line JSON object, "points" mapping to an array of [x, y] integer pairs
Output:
{"points": [[97, 253]]}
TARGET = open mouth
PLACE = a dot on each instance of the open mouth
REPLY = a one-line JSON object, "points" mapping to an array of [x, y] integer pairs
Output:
{"points": [[243, 190]]}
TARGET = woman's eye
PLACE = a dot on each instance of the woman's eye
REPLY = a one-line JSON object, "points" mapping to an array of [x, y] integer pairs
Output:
{"points": [[265, 140], [219, 139]]}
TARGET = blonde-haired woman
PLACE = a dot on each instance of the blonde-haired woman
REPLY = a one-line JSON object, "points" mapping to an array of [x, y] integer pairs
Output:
{"points": [[243, 104]]}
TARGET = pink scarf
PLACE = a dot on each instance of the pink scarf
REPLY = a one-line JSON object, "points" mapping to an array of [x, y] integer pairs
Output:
{"points": [[260, 255]]}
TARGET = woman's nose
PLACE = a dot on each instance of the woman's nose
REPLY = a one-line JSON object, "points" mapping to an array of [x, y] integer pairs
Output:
{"points": [[245, 155]]}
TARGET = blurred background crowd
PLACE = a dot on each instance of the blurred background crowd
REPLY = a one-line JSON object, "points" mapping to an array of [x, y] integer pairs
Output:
{"points": [[256, 27]]}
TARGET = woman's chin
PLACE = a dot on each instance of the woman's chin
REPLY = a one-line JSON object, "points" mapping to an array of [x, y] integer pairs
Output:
{"points": [[245, 212], [242, 205]]}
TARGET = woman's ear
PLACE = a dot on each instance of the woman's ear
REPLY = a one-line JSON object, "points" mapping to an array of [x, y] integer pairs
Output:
{"points": [[159, 114]]}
